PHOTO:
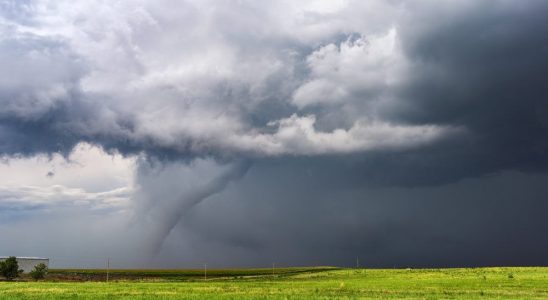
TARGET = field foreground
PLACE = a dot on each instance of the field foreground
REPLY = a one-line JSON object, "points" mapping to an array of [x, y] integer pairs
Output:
{"points": [[288, 283]]}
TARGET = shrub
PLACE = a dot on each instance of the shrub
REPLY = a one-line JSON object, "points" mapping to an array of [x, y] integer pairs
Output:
{"points": [[39, 272], [9, 268]]}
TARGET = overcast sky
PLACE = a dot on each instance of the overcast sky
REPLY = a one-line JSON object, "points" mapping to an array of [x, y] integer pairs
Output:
{"points": [[240, 133]]}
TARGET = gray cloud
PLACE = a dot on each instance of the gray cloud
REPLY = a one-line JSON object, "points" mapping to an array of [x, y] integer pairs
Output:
{"points": [[204, 95], [374, 100], [287, 215]]}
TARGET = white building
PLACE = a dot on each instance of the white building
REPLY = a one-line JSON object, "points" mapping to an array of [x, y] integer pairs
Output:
{"points": [[27, 263]]}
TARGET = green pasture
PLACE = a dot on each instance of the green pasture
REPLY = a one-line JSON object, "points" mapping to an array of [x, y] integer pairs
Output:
{"points": [[289, 283], [179, 275]]}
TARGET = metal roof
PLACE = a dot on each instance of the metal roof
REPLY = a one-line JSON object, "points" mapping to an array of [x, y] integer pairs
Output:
{"points": [[24, 257]]}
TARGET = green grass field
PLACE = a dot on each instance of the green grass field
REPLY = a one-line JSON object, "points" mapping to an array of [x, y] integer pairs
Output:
{"points": [[288, 283]]}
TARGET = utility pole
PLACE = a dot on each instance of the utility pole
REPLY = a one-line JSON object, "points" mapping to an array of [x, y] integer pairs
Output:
{"points": [[272, 269], [205, 272], [108, 267], [357, 263]]}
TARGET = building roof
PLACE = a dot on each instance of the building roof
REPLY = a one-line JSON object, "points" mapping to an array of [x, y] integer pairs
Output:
{"points": [[24, 257]]}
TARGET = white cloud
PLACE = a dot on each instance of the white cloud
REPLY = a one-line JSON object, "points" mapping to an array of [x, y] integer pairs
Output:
{"points": [[189, 78], [297, 135], [359, 69], [56, 196]]}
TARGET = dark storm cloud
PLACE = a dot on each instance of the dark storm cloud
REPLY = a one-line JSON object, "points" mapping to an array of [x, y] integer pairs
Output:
{"points": [[372, 127], [483, 68], [459, 74], [287, 215]]}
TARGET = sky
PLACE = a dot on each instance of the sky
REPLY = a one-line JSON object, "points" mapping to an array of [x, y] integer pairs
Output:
{"points": [[169, 134]]}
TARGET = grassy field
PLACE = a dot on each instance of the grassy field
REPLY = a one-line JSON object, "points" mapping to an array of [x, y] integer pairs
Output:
{"points": [[288, 283]]}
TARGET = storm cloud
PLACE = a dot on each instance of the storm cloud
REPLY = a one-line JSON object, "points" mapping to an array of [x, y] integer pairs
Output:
{"points": [[268, 130]]}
